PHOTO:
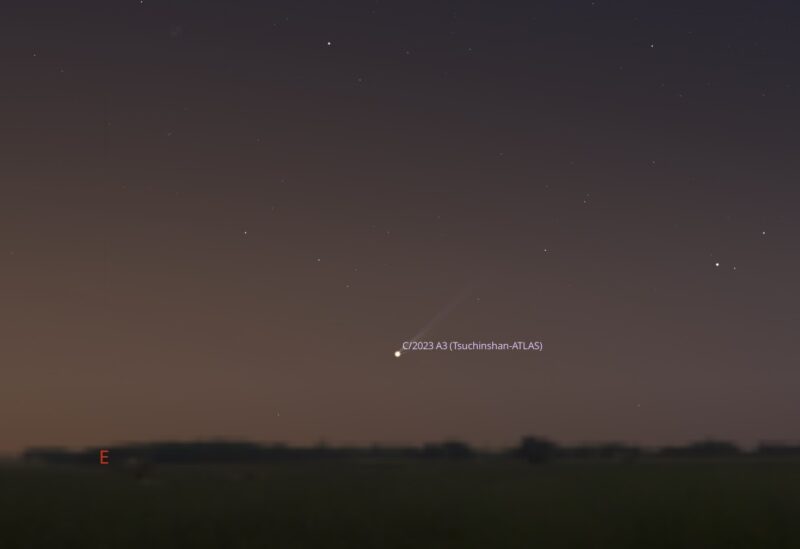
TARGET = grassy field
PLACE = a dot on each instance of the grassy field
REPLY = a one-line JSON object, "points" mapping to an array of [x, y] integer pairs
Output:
{"points": [[490, 504]]}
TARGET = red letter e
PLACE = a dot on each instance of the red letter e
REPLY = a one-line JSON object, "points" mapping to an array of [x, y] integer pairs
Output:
{"points": [[103, 457]]}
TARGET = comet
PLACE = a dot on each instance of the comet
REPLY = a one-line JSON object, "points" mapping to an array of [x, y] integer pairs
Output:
{"points": [[441, 315]]}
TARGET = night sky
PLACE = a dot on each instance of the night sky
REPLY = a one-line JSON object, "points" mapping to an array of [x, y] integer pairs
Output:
{"points": [[221, 220]]}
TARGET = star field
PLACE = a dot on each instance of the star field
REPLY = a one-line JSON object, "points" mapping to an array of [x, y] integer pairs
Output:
{"points": [[210, 212]]}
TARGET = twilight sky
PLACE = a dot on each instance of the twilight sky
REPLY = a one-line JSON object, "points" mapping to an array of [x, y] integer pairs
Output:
{"points": [[221, 219]]}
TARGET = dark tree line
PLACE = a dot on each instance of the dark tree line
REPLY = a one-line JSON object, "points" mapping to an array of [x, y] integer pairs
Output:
{"points": [[532, 449], [537, 450]]}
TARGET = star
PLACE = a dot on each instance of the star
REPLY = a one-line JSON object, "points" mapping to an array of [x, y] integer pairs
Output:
{"points": [[716, 264]]}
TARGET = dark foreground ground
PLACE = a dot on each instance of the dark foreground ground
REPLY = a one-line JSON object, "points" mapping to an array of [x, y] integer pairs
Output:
{"points": [[482, 504]]}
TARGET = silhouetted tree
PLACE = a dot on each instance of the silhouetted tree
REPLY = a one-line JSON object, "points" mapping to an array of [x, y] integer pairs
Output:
{"points": [[536, 450]]}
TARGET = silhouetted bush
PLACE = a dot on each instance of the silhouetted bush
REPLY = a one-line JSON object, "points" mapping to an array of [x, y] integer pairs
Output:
{"points": [[709, 448], [448, 450], [612, 451], [777, 450]]}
